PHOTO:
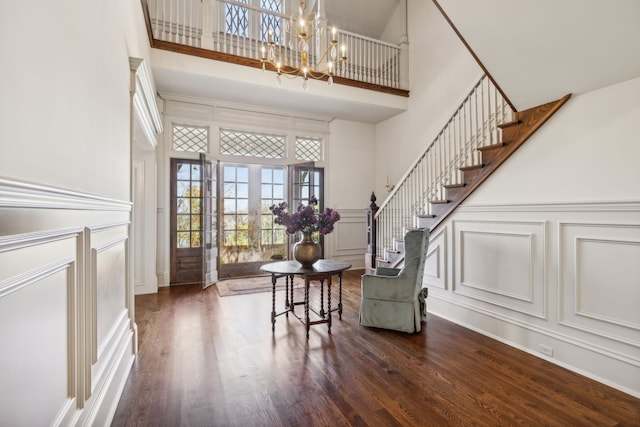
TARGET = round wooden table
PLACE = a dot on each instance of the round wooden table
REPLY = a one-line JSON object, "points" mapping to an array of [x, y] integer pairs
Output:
{"points": [[321, 271]]}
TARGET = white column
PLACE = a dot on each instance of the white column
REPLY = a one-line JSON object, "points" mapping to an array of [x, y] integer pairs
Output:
{"points": [[207, 24]]}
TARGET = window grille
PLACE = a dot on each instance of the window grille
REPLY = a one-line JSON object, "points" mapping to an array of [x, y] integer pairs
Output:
{"points": [[190, 138], [271, 21], [251, 144], [309, 149], [237, 19]]}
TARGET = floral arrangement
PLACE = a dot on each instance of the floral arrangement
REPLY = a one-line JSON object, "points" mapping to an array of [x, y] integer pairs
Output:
{"points": [[305, 219]]}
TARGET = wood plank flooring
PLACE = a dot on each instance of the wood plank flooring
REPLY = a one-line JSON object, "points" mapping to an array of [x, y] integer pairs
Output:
{"points": [[210, 361]]}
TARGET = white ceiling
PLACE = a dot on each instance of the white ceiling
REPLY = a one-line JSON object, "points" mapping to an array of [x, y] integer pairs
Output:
{"points": [[356, 15], [541, 50], [210, 82], [537, 51]]}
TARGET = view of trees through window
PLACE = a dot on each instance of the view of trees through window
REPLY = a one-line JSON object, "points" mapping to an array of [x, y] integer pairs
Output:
{"points": [[249, 233], [188, 200]]}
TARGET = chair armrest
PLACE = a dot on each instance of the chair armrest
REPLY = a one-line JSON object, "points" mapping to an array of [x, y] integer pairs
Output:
{"points": [[385, 271], [387, 288]]}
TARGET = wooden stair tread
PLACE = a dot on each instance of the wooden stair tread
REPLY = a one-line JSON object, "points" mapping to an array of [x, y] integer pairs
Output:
{"points": [[512, 123], [492, 146], [460, 185], [439, 202], [471, 167]]}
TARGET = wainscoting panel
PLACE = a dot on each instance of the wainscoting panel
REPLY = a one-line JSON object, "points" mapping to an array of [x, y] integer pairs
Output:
{"points": [[558, 280], [109, 287], [435, 268], [66, 305], [347, 241], [502, 263], [38, 295], [599, 285]]}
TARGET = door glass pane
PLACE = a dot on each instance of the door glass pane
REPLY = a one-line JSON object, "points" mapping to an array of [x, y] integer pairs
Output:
{"points": [[250, 235], [188, 193]]}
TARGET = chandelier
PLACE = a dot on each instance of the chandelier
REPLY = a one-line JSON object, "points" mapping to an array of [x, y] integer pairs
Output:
{"points": [[301, 40]]}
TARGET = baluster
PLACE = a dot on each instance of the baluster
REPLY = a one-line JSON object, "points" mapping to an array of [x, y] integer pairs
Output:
{"points": [[467, 137], [372, 64], [387, 66], [183, 35], [441, 168], [358, 62], [451, 179], [432, 176], [474, 126], [494, 126], [376, 63], [167, 20], [160, 6], [483, 113], [386, 71]]}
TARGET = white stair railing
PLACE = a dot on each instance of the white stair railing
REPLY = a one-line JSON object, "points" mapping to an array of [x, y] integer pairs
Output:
{"points": [[474, 124], [238, 28]]}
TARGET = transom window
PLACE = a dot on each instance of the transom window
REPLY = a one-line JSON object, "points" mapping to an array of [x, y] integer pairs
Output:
{"points": [[309, 149], [252, 144], [190, 138]]}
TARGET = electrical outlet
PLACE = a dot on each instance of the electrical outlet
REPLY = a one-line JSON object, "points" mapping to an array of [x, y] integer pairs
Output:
{"points": [[545, 349]]}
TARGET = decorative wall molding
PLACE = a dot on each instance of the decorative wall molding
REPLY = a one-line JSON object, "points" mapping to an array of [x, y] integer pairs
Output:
{"points": [[145, 109], [40, 280], [597, 284], [501, 263], [213, 105], [435, 270], [586, 253], [17, 194], [347, 232], [595, 206]]}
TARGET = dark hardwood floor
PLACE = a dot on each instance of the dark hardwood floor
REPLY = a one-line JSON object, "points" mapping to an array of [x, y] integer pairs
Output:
{"points": [[210, 361]]}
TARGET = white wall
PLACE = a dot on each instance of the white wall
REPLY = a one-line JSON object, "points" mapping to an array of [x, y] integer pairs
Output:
{"points": [[350, 181], [442, 72], [544, 255], [66, 299]]}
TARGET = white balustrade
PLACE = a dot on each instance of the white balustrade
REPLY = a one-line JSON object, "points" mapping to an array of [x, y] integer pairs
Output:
{"points": [[238, 28], [474, 124]]}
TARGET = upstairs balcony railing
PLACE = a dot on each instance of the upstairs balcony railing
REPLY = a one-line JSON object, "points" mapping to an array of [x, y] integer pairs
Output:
{"points": [[239, 28]]}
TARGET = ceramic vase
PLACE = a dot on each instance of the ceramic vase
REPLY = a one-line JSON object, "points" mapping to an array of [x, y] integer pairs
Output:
{"points": [[306, 251]]}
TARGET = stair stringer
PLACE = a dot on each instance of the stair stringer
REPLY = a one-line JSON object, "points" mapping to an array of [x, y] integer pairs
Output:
{"points": [[514, 135]]}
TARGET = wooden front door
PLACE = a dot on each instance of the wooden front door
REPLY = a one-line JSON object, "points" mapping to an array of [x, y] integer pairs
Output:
{"points": [[186, 221]]}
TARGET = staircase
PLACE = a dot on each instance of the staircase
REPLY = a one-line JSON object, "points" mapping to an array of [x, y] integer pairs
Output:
{"points": [[479, 137]]}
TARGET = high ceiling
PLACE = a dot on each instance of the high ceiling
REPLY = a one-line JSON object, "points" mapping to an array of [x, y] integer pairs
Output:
{"points": [[184, 76], [541, 50], [536, 50], [356, 15]]}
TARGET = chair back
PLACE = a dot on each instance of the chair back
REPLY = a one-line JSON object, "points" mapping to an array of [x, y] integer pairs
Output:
{"points": [[416, 243]]}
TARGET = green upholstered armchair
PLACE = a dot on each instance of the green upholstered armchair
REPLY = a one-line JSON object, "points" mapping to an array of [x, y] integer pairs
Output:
{"points": [[390, 298]]}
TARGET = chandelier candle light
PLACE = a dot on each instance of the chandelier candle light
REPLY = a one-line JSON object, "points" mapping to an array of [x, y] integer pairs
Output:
{"points": [[302, 30]]}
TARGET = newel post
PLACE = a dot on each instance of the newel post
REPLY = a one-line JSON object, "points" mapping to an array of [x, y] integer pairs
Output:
{"points": [[370, 256]]}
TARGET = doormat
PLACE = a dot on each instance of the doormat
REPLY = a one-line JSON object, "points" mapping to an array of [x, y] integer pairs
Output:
{"points": [[253, 285]]}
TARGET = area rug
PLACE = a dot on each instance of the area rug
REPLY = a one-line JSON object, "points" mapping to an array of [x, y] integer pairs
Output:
{"points": [[252, 285]]}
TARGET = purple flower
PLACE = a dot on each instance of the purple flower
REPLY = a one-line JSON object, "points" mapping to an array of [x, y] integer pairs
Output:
{"points": [[304, 219]]}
